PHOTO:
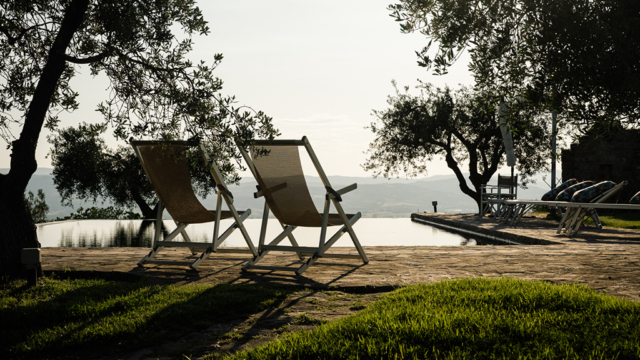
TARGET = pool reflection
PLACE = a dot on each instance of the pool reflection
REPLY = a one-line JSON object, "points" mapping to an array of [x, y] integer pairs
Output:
{"points": [[98, 233], [139, 233]]}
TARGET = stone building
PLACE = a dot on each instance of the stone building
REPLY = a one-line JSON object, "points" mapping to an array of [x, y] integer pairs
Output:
{"points": [[614, 157]]}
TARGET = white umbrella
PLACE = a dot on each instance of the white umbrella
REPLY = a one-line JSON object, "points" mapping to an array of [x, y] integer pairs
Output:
{"points": [[507, 136]]}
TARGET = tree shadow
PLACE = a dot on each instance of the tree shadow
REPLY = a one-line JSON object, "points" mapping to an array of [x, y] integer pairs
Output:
{"points": [[178, 314]]}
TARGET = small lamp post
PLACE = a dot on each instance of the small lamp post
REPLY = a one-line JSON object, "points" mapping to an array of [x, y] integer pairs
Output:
{"points": [[435, 206], [31, 258]]}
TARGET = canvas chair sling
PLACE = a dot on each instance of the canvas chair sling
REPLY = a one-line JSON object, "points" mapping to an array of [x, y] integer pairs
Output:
{"points": [[166, 166], [276, 166]]}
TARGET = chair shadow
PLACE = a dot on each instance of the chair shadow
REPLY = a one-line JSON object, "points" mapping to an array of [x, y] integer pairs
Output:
{"points": [[280, 278], [590, 234]]}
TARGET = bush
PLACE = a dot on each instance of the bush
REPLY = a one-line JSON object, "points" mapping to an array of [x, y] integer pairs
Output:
{"points": [[102, 213]]}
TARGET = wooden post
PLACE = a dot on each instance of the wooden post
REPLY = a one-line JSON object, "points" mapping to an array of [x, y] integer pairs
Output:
{"points": [[31, 258]]}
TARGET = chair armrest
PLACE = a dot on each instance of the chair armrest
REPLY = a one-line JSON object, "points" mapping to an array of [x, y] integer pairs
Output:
{"points": [[224, 190], [336, 194], [270, 190], [488, 189]]}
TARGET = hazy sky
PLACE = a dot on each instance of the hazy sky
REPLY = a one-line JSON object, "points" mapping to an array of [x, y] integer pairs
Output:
{"points": [[317, 67]]}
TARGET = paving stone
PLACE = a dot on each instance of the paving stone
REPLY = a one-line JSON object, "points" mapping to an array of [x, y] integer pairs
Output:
{"points": [[590, 258]]}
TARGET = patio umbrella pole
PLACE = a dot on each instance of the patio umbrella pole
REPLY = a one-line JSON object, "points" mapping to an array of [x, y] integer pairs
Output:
{"points": [[553, 149], [511, 187], [554, 116]]}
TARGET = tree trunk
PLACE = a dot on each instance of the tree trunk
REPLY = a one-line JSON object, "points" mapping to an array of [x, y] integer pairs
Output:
{"points": [[476, 178], [462, 182], [147, 211], [17, 230]]}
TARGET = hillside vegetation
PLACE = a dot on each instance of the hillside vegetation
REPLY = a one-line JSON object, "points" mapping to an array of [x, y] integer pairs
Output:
{"points": [[382, 198]]}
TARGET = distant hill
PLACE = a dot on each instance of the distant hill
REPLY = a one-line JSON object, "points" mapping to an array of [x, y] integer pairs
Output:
{"points": [[42, 179], [378, 197]]}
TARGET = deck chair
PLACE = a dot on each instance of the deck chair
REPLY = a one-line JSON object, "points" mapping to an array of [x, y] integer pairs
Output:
{"points": [[492, 197], [276, 166], [166, 166]]}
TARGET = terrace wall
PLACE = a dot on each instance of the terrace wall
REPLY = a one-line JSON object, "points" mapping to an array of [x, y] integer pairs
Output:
{"points": [[607, 157]]}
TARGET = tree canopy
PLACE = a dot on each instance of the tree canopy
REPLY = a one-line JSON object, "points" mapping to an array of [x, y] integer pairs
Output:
{"points": [[155, 91], [460, 126], [84, 167], [579, 57], [38, 207]]}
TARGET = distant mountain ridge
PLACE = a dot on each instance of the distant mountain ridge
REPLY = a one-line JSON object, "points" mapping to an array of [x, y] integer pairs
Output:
{"points": [[39, 171], [377, 197]]}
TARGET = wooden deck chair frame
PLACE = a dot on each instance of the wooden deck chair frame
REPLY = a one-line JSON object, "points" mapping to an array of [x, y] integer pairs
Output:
{"points": [[206, 248], [331, 196]]}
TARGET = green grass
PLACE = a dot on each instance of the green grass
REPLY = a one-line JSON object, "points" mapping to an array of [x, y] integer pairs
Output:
{"points": [[629, 220], [304, 319], [470, 318], [622, 220], [77, 318], [474, 319]]}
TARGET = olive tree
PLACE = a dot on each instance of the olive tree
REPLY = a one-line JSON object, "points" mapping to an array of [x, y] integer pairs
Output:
{"points": [[578, 57], [460, 126], [154, 91]]}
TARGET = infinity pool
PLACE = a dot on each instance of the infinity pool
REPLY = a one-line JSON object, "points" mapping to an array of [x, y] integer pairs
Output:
{"points": [[138, 233]]}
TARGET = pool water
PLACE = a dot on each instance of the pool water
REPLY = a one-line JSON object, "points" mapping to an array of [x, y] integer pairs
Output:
{"points": [[139, 233]]}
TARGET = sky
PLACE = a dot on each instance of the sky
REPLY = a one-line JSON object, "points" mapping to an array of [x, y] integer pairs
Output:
{"points": [[318, 68]]}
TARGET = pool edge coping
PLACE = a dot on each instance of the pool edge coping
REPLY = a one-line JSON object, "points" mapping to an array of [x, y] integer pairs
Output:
{"points": [[469, 229]]}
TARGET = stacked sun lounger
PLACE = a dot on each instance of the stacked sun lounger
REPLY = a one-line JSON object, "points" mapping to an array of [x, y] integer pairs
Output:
{"points": [[579, 200], [560, 195]]}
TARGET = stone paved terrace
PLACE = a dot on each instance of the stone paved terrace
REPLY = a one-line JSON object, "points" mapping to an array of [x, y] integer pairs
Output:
{"points": [[606, 260]]}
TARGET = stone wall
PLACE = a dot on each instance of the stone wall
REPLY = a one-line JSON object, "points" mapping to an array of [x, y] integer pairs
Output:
{"points": [[608, 157]]}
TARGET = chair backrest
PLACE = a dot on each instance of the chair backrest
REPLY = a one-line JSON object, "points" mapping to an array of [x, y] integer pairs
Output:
{"points": [[506, 180], [166, 166], [291, 204], [512, 184]]}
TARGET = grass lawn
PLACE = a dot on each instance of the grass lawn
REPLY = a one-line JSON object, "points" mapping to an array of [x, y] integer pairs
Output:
{"points": [[474, 319], [470, 318], [630, 220], [79, 319]]}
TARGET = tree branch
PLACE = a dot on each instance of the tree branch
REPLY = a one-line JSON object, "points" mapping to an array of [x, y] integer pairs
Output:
{"points": [[147, 65], [87, 60], [462, 182], [12, 40]]}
